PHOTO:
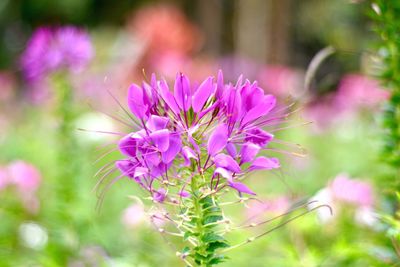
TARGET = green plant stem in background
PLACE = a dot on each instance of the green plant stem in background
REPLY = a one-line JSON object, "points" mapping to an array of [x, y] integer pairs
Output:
{"points": [[67, 145], [66, 181], [387, 18]]}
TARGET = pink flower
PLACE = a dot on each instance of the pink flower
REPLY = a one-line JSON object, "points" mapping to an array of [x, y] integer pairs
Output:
{"points": [[357, 91], [354, 93], [274, 206], [134, 216], [352, 191], [55, 49], [280, 80], [25, 176], [165, 29], [341, 192]]}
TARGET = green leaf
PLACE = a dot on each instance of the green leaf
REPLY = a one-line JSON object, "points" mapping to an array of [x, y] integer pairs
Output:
{"points": [[185, 250], [217, 260], [186, 235], [212, 219], [212, 247], [212, 237]]}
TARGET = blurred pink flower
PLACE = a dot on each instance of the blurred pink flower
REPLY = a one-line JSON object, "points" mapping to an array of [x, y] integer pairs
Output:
{"points": [[235, 65], [26, 179], [256, 211], [322, 113], [344, 191], [165, 29], [358, 91], [134, 216], [53, 49], [355, 92], [280, 80], [25, 176], [352, 191], [171, 63]]}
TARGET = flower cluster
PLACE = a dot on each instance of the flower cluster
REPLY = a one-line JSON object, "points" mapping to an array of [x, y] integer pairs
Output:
{"points": [[212, 128], [192, 145], [54, 49]]}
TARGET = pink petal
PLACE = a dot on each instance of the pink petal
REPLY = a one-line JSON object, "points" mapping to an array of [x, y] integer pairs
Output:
{"points": [[161, 139], [248, 152], [226, 162], [202, 94], [224, 173], [231, 149], [127, 167], [218, 139], [157, 123], [188, 154], [139, 171], [263, 163], [182, 92], [135, 101], [168, 97], [260, 110], [242, 188], [128, 145], [175, 145]]}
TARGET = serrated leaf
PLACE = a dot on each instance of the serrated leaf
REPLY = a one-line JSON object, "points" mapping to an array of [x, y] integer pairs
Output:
{"points": [[217, 260], [212, 237], [216, 245], [212, 219]]}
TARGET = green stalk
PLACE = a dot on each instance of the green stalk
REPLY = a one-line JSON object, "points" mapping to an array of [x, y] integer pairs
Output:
{"points": [[67, 144], [205, 217], [387, 20], [64, 217]]}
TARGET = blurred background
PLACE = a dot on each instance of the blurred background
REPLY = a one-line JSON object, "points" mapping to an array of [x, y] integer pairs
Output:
{"points": [[65, 67]]}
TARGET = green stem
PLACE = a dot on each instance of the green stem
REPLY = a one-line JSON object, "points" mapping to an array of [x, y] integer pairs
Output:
{"points": [[205, 216]]}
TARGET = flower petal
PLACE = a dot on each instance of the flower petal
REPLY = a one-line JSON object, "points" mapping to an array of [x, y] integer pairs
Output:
{"points": [[184, 194], [263, 163], [226, 162], [248, 152], [167, 96], [188, 154], [159, 195], [260, 110], [135, 101], [182, 92], [128, 146], [224, 173], [140, 171], [231, 148], [218, 139], [220, 85], [161, 139], [175, 145], [157, 123], [202, 94], [258, 137], [242, 188], [127, 167]]}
